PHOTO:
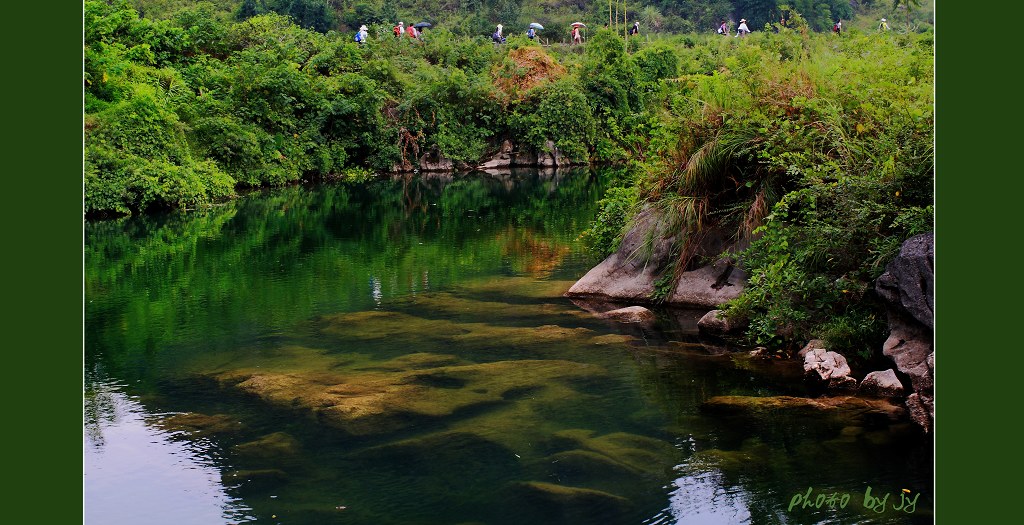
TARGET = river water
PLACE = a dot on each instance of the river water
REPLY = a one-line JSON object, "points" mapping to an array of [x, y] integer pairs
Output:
{"points": [[401, 353]]}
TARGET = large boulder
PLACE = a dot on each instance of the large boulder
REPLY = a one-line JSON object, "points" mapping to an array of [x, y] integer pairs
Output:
{"points": [[642, 259], [908, 288], [629, 273], [709, 286]]}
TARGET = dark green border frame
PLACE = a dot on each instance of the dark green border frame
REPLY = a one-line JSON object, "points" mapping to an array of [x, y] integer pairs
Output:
{"points": [[42, 192]]}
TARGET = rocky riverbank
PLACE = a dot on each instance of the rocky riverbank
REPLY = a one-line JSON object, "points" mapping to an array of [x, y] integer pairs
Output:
{"points": [[629, 277]]}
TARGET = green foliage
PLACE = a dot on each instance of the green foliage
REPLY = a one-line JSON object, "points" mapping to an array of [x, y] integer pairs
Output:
{"points": [[557, 112], [614, 210]]}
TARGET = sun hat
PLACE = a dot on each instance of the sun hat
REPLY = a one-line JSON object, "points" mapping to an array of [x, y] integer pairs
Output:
{"points": [[362, 28], [743, 20], [883, 20]]}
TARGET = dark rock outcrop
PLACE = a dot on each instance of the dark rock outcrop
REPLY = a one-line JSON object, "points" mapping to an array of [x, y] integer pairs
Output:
{"points": [[907, 287], [434, 160]]}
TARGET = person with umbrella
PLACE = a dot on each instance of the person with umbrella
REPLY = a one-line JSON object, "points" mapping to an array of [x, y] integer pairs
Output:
{"points": [[532, 33], [576, 38]]}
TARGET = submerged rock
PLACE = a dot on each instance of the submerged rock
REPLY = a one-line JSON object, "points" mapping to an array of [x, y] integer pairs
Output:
{"points": [[629, 452], [198, 424], [574, 504], [629, 314], [269, 446], [387, 397], [854, 411]]}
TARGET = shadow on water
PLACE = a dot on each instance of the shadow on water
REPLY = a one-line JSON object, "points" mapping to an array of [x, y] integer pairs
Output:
{"points": [[402, 353]]}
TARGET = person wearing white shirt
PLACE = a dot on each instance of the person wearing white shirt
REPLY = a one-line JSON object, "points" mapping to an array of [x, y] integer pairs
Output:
{"points": [[742, 30]]}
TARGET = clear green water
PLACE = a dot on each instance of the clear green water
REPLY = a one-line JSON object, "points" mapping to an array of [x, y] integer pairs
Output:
{"points": [[401, 354]]}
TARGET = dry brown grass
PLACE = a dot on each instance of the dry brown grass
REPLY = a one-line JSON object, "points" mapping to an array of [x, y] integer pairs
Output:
{"points": [[524, 69]]}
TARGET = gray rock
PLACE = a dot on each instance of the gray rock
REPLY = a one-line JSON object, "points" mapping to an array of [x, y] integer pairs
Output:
{"points": [[629, 274], [909, 346], [715, 322], [709, 286], [825, 364], [922, 410], [907, 287], [909, 280], [881, 384], [502, 159], [842, 384], [830, 369], [630, 314], [434, 160], [549, 156], [811, 345]]}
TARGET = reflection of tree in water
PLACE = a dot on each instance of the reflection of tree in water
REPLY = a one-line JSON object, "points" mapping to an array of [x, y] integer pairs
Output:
{"points": [[101, 407], [531, 253]]}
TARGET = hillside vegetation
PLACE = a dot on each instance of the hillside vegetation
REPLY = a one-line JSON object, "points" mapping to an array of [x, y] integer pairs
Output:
{"points": [[815, 149]]}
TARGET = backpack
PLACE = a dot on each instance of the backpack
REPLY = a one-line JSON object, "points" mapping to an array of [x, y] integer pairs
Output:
{"points": [[531, 33], [358, 39], [835, 28], [396, 31]]}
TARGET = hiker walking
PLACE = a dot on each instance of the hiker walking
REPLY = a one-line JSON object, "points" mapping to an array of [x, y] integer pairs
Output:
{"points": [[742, 30], [883, 26], [497, 37], [838, 27], [723, 29], [399, 30], [361, 35], [635, 30], [576, 35]]}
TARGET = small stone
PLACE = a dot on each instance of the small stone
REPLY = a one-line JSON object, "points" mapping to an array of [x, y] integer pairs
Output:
{"points": [[882, 384]]}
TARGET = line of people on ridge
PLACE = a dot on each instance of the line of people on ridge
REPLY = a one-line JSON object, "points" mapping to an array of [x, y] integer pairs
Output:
{"points": [[498, 37], [743, 30]]}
